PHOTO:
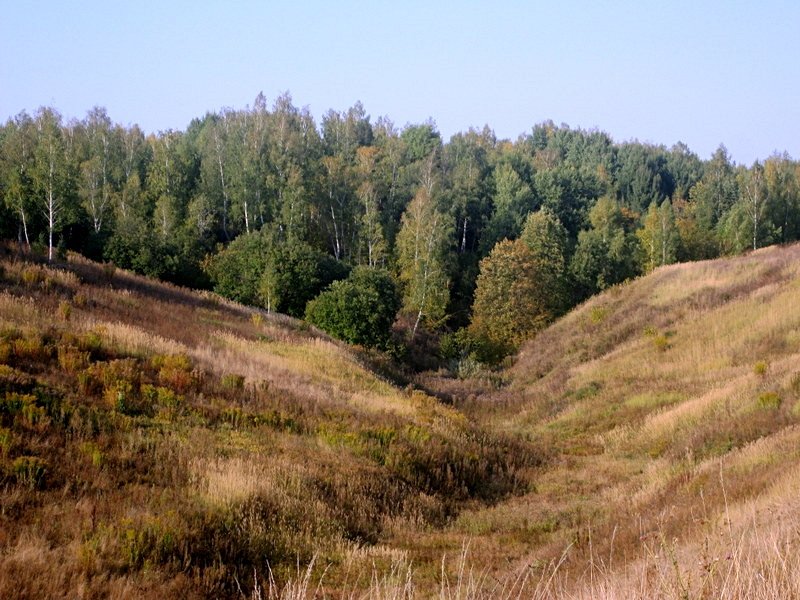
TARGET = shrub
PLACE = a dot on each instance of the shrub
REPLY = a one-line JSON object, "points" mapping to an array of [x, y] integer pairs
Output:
{"points": [[175, 371], [295, 273], [109, 269], [512, 300], [769, 400], [467, 347], [661, 343], [80, 300], [236, 269], [30, 471], [71, 359], [359, 310], [760, 368], [32, 275], [232, 381], [64, 310]]}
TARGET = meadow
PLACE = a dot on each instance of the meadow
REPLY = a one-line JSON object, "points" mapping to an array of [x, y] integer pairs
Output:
{"points": [[157, 442]]}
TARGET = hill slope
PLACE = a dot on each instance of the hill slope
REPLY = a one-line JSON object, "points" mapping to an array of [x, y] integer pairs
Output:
{"points": [[158, 442], [670, 409]]}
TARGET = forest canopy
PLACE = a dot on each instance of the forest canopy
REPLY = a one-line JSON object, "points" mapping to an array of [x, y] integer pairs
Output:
{"points": [[269, 207]]}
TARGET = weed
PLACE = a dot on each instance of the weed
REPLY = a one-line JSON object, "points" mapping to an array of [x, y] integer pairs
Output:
{"points": [[175, 371], [232, 382], [32, 276], [598, 314], [92, 451], [71, 359], [31, 348], [769, 400], [661, 343], [30, 471], [6, 441], [64, 310]]}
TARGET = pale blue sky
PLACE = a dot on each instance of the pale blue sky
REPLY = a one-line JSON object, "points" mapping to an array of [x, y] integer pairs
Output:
{"points": [[692, 71]]}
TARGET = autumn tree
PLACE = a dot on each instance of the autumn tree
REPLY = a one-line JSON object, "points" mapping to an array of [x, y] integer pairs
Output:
{"points": [[717, 191], [423, 254], [511, 297], [294, 273], [372, 237], [745, 225], [236, 270], [783, 196], [97, 178]]}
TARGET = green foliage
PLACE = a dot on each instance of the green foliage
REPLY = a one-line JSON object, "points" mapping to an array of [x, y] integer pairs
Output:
{"points": [[253, 202], [659, 236], [424, 249], [295, 274], [512, 299], [513, 201], [546, 238], [466, 349], [606, 254], [359, 310], [237, 269]]}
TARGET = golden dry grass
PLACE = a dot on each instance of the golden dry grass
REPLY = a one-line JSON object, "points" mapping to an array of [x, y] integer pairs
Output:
{"points": [[647, 445]]}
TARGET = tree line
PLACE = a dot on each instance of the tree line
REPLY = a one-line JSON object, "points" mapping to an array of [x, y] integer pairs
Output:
{"points": [[488, 238]]}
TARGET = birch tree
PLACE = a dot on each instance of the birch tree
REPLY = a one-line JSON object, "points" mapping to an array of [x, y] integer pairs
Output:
{"points": [[17, 159], [423, 252], [50, 171]]}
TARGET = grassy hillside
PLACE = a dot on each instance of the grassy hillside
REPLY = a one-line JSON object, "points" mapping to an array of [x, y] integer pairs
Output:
{"points": [[156, 442], [669, 408]]}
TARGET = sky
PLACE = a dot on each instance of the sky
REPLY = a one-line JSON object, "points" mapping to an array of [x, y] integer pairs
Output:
{"points": [[699, 72]]}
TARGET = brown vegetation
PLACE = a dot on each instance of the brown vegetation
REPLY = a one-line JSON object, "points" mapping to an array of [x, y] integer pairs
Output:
{"points": [[159, 443]]}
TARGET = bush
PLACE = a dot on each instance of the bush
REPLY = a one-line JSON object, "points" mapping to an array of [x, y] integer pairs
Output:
{"points": [[295, 273], [465, 347], [236, 270], [769, 400], [359, 310], [233, 382]]}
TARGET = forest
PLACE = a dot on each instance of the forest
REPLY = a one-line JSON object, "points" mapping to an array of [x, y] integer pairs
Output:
{"points": [[359, 226]]}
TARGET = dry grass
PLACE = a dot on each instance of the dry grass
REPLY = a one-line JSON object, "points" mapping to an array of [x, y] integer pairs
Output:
{"points": [[160, 443]]}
